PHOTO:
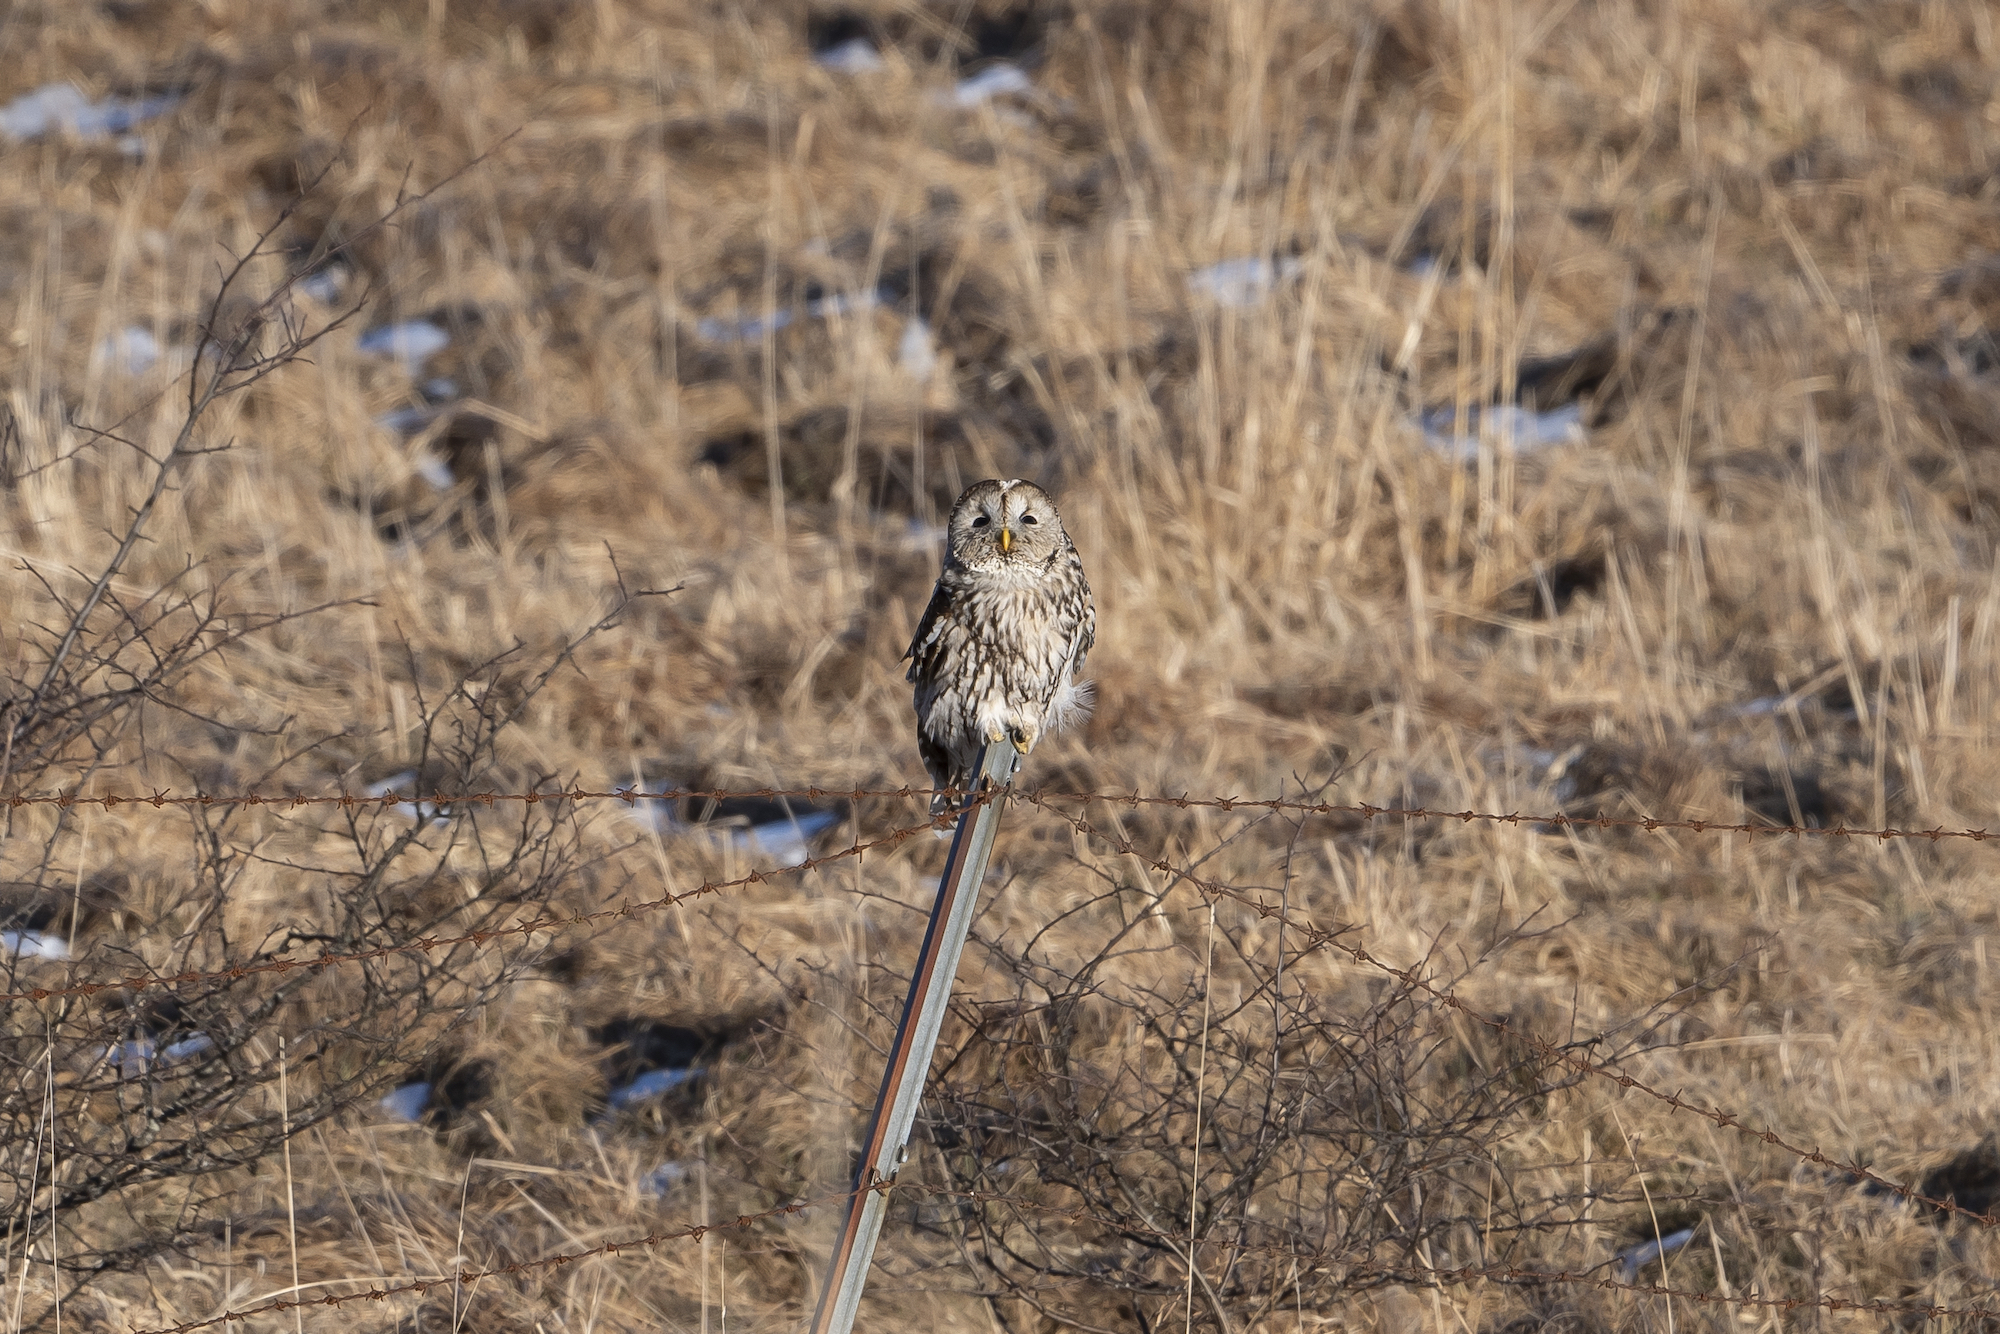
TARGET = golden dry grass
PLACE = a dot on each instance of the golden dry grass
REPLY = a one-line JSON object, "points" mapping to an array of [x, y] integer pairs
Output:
{"points": [[1781, 215]]}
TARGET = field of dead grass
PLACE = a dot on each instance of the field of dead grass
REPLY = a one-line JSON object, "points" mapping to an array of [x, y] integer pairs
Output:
{"points": [[723, 316]]}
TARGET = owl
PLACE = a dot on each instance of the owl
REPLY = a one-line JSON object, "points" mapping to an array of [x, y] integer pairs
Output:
{"points": [[997, 654]]}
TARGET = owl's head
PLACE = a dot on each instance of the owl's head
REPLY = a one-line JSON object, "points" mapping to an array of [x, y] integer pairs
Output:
{"points": [[998, 524]]}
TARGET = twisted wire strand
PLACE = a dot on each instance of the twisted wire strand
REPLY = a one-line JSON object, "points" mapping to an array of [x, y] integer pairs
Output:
{"points": [[163, 799], [1317, 937], [549, 925], [1320, 938]]}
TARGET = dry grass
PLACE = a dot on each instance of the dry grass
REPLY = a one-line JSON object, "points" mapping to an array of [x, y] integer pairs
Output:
{"points": [[1778, 219]]}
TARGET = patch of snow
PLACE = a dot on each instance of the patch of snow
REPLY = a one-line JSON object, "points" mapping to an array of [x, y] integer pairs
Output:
{"points": [[406, 421], [652, 1084], [917, 353], [786, 841], [1531, 431], [718, 330], [34, 944], [996, 80], [187, 1048], [136, 1056], [412, 343], [324, 285], [857, 55], [384, 787], [413, 811], [1243, 282], [1633, 1258], [435, 471], [133, 350], [652, 811], [663, 1179], [63, 106], [408, 1102]]}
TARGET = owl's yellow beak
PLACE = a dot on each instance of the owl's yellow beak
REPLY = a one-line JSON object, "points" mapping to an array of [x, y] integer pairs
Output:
{"points": [[1006, 540]]}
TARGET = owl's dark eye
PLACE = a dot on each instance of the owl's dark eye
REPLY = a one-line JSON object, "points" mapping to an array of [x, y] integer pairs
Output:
{"points": [[981, 521], [1029, 518]]}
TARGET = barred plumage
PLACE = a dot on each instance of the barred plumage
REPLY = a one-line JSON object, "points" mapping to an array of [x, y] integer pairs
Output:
{"points": [[997, 654]]}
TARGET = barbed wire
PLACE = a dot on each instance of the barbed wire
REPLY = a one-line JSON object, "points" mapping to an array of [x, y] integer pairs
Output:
{"points": [[1184, 1246], [428, 944], [1317, 938], [1366, 811], [1320, 938]]}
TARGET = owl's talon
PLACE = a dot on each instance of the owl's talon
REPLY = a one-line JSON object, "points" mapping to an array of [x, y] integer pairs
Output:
{"points": [[1022, 742]]}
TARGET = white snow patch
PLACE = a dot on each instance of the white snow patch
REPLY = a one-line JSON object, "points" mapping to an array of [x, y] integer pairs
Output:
{"points": [[857, 55], [650, 1085], [324, 285], [718, 330], [34, 945], [435, 471], [997, 80], [412, 343], [413, 811], [917, 353], [1530, 431], [408, 1102], [133, 351], [1245, 281], [63, 106], [1633, 1258]]}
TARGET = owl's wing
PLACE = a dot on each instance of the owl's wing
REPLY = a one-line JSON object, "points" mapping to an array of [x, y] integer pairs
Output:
{"points": [[929, 630], [1085, 634]]}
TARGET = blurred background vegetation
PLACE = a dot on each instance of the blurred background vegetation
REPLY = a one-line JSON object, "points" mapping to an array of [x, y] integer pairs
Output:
{"points": [[1502, 404]]}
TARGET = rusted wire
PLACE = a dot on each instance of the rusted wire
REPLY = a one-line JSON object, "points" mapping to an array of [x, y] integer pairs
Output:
{"points": [[1314, 936], [1320, 938], [427, 944], [164, 798], [1317, 938]]}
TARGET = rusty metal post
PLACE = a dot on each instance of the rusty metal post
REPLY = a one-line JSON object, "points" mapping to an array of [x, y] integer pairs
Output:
{"points": [[887, 1145]]}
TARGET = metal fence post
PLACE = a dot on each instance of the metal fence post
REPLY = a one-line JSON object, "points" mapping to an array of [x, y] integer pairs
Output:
{"points": [[887, 1145]]}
